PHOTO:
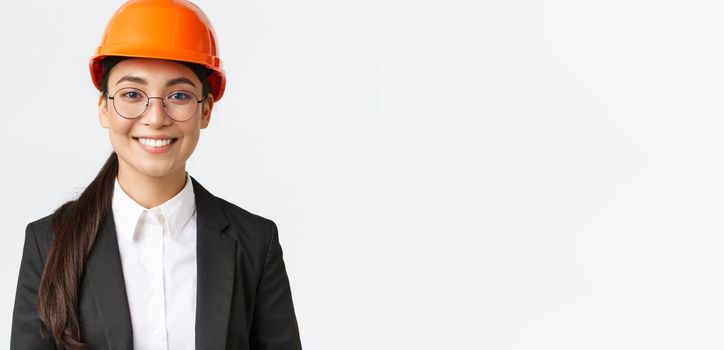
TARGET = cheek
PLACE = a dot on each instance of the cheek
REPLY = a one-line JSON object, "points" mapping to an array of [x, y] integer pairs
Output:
{"points": [[189, 141], [191, 138], [119, 131]]}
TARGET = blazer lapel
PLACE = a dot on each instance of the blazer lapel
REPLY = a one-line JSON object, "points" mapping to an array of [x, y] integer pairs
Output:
{"points": [[215, 269], [108, 287]]}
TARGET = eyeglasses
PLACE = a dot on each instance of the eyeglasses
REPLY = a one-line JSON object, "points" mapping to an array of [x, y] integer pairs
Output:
{"points": [[131, 103]]}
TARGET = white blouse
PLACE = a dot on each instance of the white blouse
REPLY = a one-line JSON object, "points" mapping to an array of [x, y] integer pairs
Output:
{"points": [[158, 255]]}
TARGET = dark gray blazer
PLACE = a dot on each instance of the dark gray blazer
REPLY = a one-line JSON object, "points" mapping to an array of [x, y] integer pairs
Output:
{"points": [[243, 297]]}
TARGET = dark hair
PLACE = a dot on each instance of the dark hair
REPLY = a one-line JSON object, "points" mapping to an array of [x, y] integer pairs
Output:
{"points": [[75, 225]]}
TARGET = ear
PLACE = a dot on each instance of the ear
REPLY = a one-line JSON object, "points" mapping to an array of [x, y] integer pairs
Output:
{"points": [[103, 115], [206, 108]]}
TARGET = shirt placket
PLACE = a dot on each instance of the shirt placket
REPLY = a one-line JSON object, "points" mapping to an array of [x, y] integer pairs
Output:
{"points": [[157, 311]]}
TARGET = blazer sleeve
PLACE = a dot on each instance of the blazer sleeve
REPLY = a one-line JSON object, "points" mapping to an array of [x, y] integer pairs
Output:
{"points": [[274, 325], [25, 333]]}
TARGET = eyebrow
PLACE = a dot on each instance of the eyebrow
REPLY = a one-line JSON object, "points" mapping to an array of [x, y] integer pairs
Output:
{"points": [[180, 80], [139, 80]]}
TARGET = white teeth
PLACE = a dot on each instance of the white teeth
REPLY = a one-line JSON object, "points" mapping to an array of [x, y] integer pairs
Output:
{"points": [[154, 143]]}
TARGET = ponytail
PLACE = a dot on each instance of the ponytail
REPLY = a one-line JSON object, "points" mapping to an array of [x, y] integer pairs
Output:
{"points": [[75, 226]]}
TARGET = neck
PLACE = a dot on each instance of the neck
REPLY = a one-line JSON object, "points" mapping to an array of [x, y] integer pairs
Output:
{"points": [[150, 191]]}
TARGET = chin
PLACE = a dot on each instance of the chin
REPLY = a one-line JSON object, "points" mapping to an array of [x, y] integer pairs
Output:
{"points": [[158, 172], [155, 169], [149, 165]]}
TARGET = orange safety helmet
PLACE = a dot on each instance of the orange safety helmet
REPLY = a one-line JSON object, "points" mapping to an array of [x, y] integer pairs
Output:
{"points": [[166, 29]]}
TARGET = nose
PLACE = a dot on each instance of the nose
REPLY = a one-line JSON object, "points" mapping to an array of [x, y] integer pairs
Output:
{"points": [[155, 115]]}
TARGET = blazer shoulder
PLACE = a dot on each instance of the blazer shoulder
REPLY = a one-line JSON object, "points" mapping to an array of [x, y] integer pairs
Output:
{"points": [[239, 215], [42, 226], [42, 230], [252, 226]]}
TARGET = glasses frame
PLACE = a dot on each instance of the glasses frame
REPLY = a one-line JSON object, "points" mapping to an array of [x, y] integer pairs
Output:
{"points": [[148, 103]]}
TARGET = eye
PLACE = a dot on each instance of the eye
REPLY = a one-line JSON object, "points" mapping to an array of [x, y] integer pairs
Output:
{"points": [[131, 95], [180, 96]]}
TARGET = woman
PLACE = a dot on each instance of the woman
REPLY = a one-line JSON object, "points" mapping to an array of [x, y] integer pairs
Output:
{"points": [[146, 257]]}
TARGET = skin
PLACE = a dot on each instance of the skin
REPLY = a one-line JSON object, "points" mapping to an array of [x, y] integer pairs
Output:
{"points": [[153, 178]]}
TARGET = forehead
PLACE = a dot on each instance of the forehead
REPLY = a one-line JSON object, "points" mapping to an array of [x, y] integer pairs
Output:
{"points": [[155, 71]]}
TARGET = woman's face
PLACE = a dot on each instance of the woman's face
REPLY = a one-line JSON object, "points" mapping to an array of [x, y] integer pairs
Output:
{"points": [[157, 78]]}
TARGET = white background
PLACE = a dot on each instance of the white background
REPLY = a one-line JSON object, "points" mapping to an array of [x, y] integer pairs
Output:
{"points": [[444, 174]]}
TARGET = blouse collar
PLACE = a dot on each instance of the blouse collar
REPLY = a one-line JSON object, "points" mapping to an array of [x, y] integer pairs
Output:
{"points": [[174, 213]]}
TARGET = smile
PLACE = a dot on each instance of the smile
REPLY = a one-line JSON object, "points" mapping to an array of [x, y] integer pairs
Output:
{"points": [[155, 145]]}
